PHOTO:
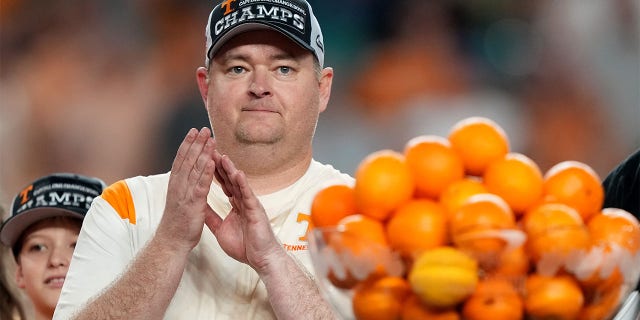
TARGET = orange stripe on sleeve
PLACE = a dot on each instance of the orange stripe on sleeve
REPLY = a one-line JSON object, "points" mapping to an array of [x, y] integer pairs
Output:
{"points": [[119, 196]]}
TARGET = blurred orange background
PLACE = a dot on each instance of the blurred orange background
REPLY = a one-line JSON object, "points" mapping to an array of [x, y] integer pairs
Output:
{"points": [[107, 88]]}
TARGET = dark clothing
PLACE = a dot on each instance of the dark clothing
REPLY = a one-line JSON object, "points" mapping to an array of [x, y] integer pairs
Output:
{"points": [[622, 185]]}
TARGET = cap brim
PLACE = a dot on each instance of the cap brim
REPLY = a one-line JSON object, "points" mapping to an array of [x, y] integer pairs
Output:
{"points": [[16, 225], [251, 26]]}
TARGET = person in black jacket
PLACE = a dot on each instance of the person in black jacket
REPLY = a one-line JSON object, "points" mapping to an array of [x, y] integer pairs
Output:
{"points": [[622, 185]]}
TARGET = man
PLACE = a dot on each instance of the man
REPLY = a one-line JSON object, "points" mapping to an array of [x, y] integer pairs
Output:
{"points": [[622, 185], [144, 251], [45, 221]]}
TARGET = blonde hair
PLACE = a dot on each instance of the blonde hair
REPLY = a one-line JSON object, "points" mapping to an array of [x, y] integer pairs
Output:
{"points": [[11, 302]]}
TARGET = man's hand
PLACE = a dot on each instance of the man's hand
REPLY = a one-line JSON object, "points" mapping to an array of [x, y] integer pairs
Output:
{"points": [[155, 274], [245, 234], [186, 206]]}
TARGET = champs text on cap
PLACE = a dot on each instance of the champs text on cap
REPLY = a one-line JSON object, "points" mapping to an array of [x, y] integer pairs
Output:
{"points": [[292, 18]]}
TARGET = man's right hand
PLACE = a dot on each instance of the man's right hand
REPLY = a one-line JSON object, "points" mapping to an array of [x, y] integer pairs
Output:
{"points": [[186, 206]]}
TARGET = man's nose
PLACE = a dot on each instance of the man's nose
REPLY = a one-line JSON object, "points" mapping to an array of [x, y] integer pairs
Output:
{"points": [[260, 83]]}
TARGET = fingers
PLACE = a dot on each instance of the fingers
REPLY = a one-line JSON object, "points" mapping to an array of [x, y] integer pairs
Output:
{"points": [[186, 205], [204, 165], [222, 178], [183, 149], [203, 171], [231, 175], [236, 184], [224, 175], [189, 164], [213, 221]]}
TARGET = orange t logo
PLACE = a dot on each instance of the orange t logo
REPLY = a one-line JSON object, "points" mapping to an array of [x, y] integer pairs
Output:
{"points": [[24, 193], [304, 217], [227, 6]]}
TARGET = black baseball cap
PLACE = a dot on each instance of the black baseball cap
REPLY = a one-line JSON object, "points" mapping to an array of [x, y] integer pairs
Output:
{"points": [[58, 194], [292, 18]]}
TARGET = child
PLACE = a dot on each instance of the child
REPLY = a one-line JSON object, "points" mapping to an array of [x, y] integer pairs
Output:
{"points": [[46, 217], [11, 303]]}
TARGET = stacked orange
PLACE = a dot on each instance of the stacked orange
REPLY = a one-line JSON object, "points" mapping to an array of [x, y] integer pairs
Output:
{"points": [[465, 211]]}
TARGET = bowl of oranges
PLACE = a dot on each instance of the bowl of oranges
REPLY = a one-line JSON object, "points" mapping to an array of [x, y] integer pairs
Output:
{"points": [[462, 227]]}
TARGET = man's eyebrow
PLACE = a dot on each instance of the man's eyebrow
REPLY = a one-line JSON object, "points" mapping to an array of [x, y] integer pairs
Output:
{"points": [[284, 56], [233, 56], [244, 57]]}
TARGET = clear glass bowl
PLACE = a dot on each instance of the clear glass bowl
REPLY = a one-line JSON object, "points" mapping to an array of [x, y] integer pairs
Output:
{"points": [[341, 258]]}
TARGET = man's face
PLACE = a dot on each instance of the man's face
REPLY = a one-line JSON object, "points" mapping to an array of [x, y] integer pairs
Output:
{"points": [[265, 90], [43, 261]]}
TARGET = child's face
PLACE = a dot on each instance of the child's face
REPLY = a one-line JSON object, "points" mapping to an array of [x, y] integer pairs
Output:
{"points": [[43, 261]]}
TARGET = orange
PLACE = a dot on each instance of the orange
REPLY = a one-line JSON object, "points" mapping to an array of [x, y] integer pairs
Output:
{"points": [[331, 204], [601, 305], [480, 212], [331, 248], [544, 217], [558, 249], [575, 184], [495, 299], [615, 236], [361, 247], [603, 294], [513, 264], [552, 297], [383, 183], [363, 227], [555, 233], [380, 299], [615, 226], [479, 141], [414, 309], [517, 179], [433, 163], [474, 225], [418, 225], [457, 192], [344, 280], [603, 278]]}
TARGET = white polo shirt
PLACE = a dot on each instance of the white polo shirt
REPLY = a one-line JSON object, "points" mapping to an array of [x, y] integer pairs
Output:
{"points": [[213, 286]]}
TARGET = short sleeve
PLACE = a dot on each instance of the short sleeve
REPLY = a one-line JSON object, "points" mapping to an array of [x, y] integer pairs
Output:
{"points": [[102, 252]]}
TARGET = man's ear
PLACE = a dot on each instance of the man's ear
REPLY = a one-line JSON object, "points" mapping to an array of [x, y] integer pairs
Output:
{"points": [[20, 277], [326, 80], [202, 76]]}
